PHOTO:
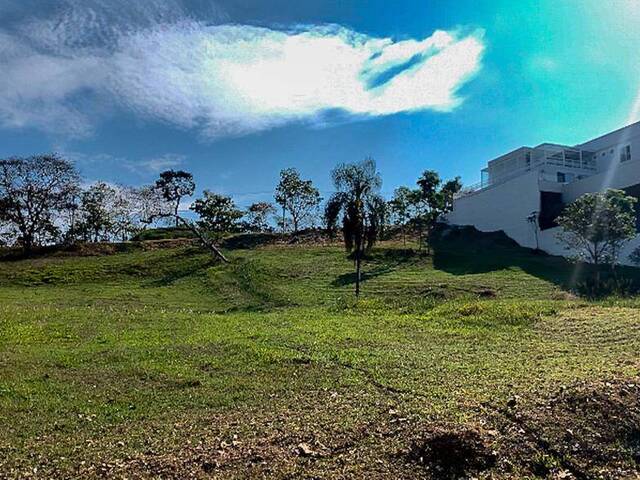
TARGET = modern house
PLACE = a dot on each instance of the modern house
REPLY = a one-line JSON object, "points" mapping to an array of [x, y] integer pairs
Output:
{"points": [[522, 192]]}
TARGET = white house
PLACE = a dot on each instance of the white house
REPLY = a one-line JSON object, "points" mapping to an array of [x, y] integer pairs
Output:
{"points": [[535, 183]]}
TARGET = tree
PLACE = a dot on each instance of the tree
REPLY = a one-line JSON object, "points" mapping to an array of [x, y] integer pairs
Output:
{"points": [[97, 211], [431, 200], [299, 197], [218, 213], [258, 216], [533, 220], [33, 190], [401, 208], [150, 205], [174, 185], [357, 200], [125, 217], [597, 226]]}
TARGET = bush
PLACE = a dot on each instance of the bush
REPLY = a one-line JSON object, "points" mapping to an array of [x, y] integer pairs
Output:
{"points": [[610, 286]]}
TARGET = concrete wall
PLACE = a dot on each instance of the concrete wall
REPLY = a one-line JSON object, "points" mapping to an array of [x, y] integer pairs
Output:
{"points": [[503, 207], [604, 145], [506, 207], [550, 244], [621, 175]]}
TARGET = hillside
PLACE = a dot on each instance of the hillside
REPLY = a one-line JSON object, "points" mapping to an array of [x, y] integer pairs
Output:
{"points": [[155, 361]]}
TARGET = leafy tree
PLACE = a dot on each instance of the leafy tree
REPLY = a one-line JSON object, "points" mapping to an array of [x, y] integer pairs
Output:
{"points": [[258, 216], [401, 208], [598, 225], [299, 197], [33, 191], [431, 200], [218, 213], [97, 211], [174, 185], [357, 201]]}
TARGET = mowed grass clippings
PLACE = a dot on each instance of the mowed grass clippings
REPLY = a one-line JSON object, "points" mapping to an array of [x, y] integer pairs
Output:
{"points": [[164, 363]]}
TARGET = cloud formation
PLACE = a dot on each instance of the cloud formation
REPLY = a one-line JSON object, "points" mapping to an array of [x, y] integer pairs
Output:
{"points": [[218, 79]]}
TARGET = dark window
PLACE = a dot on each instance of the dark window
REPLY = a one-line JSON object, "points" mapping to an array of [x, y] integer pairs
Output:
{"points": [[625, 154], [550, 208], [561, 177]]}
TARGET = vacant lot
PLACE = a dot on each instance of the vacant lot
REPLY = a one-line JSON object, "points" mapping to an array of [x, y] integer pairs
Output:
{"points": [[472, 361]]}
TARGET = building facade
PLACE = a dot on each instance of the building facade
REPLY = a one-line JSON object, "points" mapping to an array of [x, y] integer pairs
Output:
{"points": [[522, 192]]}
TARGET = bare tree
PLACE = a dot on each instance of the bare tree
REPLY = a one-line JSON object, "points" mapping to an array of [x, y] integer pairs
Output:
{"points": [[33, 190]]}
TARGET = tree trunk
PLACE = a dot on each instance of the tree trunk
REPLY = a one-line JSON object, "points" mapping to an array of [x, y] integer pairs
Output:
{"points": [[284, 218], [203, 239], [176, 212], [27, 244]]}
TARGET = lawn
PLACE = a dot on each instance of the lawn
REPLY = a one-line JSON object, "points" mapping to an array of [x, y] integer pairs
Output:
{"points": [[163, 363]]}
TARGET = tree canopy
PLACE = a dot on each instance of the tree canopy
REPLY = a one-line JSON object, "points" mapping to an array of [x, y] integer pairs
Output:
{"points": [[175, 185], [33, 191], [358, 202], [218, 213], [597, 225], [298, 197]]}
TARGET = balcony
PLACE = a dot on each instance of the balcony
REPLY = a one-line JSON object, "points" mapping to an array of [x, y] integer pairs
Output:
{"points": [[546, 159]]}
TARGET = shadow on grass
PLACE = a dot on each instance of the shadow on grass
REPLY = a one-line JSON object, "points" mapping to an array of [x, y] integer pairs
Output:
{"points": [[384, 261], [467, 251]]}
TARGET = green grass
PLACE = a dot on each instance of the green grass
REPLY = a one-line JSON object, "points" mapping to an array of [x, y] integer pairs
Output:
{"points": [[105, 358]]}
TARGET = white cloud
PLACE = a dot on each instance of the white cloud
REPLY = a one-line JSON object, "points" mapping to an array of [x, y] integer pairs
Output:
{"points": [[158, 164], [142, 167], [225, 79]]}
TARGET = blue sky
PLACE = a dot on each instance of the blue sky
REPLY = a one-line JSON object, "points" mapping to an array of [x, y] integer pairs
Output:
{"points": [[236, 90]]}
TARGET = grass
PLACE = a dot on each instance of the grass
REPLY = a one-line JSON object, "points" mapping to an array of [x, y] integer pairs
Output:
{"points": [[108, 360]]}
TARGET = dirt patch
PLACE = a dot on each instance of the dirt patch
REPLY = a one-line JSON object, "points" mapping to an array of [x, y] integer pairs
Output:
{"points": [[581, 431], [587, 430], [453, 454]]}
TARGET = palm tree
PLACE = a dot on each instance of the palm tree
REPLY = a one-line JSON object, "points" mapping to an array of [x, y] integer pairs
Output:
{"points": [[357, 200]]}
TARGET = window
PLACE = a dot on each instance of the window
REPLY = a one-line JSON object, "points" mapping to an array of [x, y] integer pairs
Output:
{"points": [[562, 178], [625, 154]]}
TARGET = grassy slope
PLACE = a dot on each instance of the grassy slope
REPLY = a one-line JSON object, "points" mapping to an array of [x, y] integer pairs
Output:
{"points": [[105, 358]]}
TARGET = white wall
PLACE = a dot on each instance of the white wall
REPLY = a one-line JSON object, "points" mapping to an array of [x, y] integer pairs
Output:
{"points": [[550, 244], [604, 145], [622, 175], [503, 207], [506, 207]]}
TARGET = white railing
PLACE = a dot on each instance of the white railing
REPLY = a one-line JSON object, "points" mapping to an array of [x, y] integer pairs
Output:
{"points": [[542, 175]]}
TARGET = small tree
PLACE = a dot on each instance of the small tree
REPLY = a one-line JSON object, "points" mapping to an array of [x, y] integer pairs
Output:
{"points": [[357, 200], [174, 185], [299, 197], [258, 216], [401, 209], [432, 200], [97, 211], [33, 191], [596, 226], [533, 220], [218, 213]]}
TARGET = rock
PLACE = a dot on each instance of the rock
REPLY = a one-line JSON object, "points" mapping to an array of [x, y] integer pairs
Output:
{"points": [[305, 450]]}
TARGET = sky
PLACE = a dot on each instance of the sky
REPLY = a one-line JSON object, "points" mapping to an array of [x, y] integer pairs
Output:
{"points": [[236, 90]]}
